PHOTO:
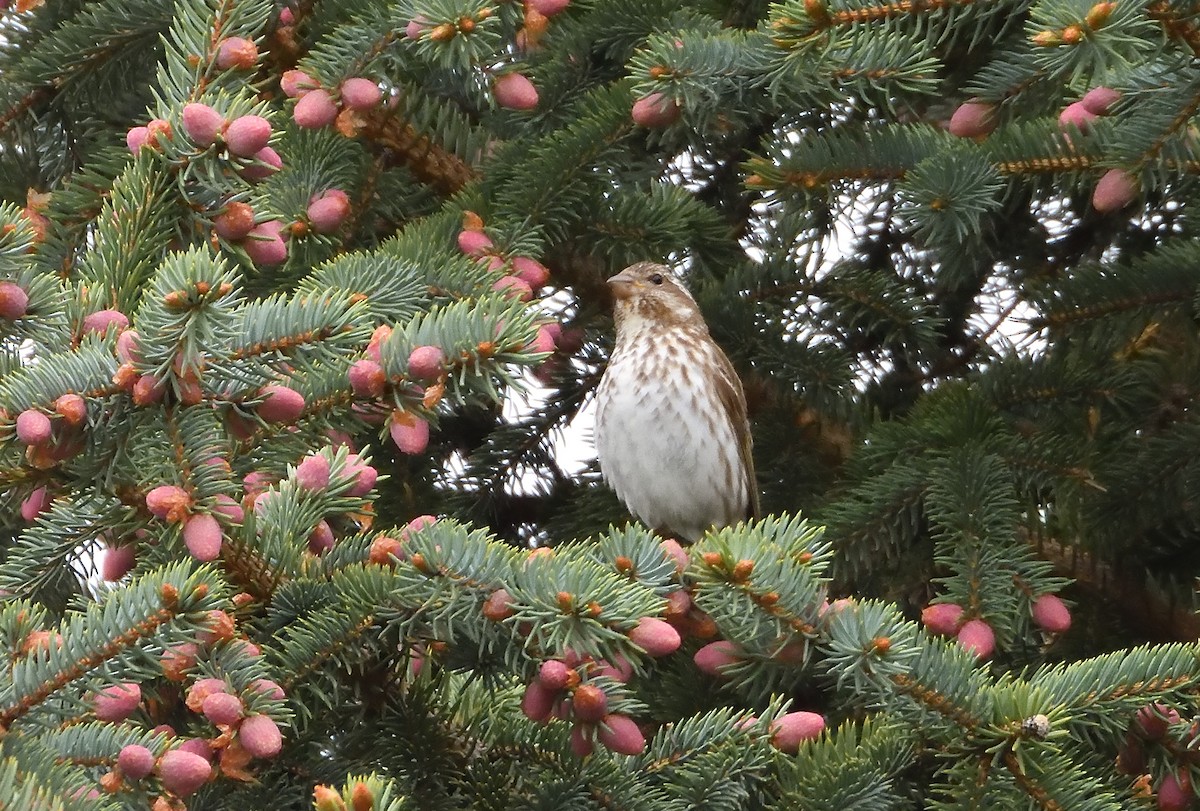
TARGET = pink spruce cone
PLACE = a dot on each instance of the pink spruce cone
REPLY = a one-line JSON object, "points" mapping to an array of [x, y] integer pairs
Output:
{"points": [[714, 656], [202, 689], [620, 734], [260, 736], [581, 743], [264, 244], [367, 378], [202, 537], [296, 83], [198, 746], [656, 637], [542, 342], [1051, 614], [135, 761], [1115, 190], [266, 163], [538, 701], [226, 506], [414, 28], [409, 432], [327, 213], [321, 540], [117, 702], [148, 390], [237, 52], [315, 110], [977, 636], [234, 223], [136, 138], [1075, 115], [417, 524], [117, 562], [943, 619], [973, 119], [548, 8], [127, 349], [169, 502], [222, 708], [183, 772], [313, 472], [364, 475], [360, 94], [72, 408], [514, 287], [554, 674], [516, 92], [269, 688], [473, 243], [1175, 792], [281, 404], [656, 111], [14, 301], [247, 134], [788, 732], [101, 320], [676, 552], [381, 334], [35, 504], [1154, 720], [1098, 100], [531, 271], [33, 427], [425, 362], [202, 124]]}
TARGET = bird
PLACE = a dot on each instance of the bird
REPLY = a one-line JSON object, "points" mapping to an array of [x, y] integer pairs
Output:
{"points": [[672, 434]]}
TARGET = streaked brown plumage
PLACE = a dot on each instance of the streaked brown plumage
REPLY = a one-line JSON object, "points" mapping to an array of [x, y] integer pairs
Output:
{"points": [[671, 427]]}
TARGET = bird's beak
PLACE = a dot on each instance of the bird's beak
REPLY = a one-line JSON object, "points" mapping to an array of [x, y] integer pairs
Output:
{"points": [[623, 284]]}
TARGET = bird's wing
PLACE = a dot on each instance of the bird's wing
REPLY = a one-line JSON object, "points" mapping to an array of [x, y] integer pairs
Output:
{"points": [[733, 399]]}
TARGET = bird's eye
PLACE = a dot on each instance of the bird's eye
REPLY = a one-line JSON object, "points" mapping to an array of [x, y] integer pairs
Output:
{"points": [[656, 278]]}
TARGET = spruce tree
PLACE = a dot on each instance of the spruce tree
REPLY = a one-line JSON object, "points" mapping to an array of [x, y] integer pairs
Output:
{"points": [[298, 303]]}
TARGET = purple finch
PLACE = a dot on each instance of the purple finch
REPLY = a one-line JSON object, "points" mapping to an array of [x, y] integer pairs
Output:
{"points": [[671, 427]]}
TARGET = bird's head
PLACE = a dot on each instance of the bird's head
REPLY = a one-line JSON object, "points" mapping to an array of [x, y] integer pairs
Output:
{"points": [[648, 292]]}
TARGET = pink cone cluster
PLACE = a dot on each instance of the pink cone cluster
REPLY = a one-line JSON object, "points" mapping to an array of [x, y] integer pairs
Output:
{"points": [[557, 691], [1079, 114], [522, 274], [947, 619], [318, 107], [245, 137], [189, 763]]}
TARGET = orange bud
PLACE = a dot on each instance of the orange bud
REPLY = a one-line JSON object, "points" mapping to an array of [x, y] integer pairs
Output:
{"points": [[1046, 39], [742, 570], [624, 564], [1098, 14], [326, 799], [881, 644], [443, 33], [1072, 34], [466, 25], [566, 600], [712, 559], [361, 797]]}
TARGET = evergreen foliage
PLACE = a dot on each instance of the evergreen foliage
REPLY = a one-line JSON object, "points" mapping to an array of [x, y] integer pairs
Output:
{"points": [[297, 304]]}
